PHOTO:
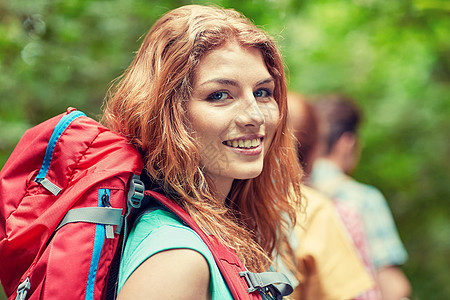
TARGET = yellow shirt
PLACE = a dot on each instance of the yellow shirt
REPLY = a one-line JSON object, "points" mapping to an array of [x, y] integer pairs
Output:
{"points": [[328, 264]]}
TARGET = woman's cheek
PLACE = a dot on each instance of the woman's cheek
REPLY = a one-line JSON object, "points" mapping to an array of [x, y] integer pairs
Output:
{"points": [[271, 113]]}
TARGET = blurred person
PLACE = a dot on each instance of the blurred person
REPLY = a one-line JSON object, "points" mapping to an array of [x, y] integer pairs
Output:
{"points": [[339, 117], [329, 265]]}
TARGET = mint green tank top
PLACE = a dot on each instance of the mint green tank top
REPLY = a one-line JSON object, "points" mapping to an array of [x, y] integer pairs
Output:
{"points": [[161, 230]]}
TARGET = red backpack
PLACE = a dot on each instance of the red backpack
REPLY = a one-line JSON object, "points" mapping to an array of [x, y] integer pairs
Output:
{"points": [[65, 194]]}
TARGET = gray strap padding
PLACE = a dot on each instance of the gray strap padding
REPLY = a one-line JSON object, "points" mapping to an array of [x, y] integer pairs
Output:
{"points": [[277, 280], [98, 215], [119, 227]]}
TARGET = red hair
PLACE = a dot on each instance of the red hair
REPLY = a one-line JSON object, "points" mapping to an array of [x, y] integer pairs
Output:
{"points": [[147, 104]]}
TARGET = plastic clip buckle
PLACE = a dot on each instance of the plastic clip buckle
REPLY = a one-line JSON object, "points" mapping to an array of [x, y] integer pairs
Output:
{"points": [[136, 192]]}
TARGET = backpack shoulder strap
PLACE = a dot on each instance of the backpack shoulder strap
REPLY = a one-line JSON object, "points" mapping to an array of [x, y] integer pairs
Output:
{"points": [[242, 283]]}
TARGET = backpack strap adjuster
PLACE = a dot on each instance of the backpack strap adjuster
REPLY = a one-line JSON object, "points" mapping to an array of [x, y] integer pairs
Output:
{"points": [[275, 283], [136, 192], [246, 275]]}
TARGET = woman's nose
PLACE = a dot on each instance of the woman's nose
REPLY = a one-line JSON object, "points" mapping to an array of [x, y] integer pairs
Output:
{"points": [[249, 113]]}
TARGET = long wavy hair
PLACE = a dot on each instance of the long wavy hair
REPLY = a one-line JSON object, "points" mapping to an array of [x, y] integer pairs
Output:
{"points": [[147, 104]]}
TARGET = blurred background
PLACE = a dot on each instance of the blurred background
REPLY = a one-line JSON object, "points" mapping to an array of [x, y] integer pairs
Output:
{"points": [[393, 57]]}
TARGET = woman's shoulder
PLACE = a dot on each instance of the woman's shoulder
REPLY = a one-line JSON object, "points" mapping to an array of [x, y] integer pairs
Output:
{"points": [[148, 267], [154, 232]]}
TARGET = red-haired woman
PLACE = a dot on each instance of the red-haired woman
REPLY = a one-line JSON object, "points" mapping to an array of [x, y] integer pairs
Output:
{"points": [[205, 102]]}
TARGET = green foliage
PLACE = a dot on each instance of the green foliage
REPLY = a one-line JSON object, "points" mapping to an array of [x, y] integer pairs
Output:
{"points": [[391, 56]]}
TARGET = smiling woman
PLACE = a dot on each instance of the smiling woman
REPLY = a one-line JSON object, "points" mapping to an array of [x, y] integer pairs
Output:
{"points": [[205, 102]]}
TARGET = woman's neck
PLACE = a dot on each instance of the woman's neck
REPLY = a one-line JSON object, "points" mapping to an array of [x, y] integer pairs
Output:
{"points": [[222, 187]]}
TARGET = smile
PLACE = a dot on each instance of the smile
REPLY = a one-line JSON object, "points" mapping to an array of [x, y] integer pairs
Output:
{"points": [[244, 144]]}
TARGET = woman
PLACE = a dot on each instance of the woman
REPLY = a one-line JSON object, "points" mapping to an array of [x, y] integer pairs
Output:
{"points": [[205, 102]]}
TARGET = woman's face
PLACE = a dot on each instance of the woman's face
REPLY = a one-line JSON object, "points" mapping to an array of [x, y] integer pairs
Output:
{"points": [[233, 112]]}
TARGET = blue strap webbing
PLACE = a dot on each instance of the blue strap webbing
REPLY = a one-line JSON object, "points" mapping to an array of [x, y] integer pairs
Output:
{"points": [[97, 251], [59, 129]]}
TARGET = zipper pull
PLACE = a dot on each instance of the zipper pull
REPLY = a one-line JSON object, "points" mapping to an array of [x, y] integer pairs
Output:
{"points": [[23, 289], [107, 203], [105, 199]]}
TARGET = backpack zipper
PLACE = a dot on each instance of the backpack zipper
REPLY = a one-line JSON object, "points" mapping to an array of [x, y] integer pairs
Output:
{"points": [[107, 203], [63, 123], [100, 232]]}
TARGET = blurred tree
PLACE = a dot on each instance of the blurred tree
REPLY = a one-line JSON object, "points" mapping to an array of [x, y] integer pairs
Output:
{"points": [[392, 56]]}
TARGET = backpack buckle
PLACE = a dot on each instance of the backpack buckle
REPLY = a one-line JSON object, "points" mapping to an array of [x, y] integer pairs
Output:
{"points": [[274, 285], [246, 275], [136, 192]]}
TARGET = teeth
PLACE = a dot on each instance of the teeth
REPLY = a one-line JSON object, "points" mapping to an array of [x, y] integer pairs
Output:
{"points": [[244, 143]]}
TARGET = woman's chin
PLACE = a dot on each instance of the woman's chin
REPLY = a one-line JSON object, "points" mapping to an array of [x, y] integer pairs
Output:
{"points": [[248, 174]]}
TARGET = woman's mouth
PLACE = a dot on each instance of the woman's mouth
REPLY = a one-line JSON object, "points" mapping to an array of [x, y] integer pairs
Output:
{"points": [[243, 143]]}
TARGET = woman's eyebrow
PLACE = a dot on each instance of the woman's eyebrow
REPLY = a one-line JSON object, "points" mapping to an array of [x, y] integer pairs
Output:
{"points": [[264, 81], [223, 81]]}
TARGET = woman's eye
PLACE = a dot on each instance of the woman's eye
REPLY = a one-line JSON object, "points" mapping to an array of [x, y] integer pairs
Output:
{"points": [[217, 96], [262, 93]]}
